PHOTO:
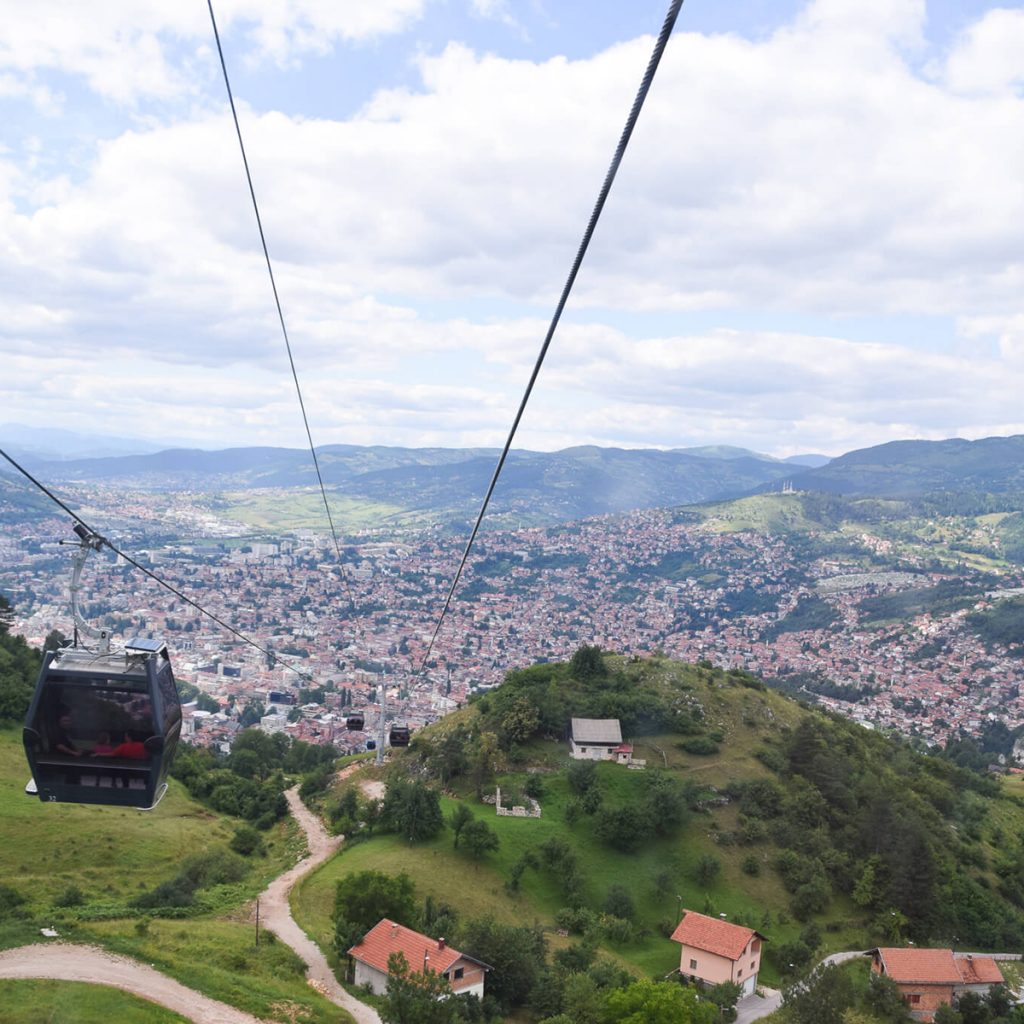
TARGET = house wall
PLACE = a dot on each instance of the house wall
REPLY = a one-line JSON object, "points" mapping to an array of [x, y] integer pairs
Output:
{"points": [[714, 969], [367, 975], [591, 751], [472, 981]]}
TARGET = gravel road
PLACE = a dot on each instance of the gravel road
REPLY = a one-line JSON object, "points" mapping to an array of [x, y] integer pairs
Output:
{"points": [[66, 962]]}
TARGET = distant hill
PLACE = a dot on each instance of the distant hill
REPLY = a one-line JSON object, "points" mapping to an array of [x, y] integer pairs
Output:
{"points": [[907, 469], [445, 484]]}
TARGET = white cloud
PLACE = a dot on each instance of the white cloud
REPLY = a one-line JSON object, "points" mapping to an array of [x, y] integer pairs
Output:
{"points": [[988, 56], [126, 49], [817, 170]]}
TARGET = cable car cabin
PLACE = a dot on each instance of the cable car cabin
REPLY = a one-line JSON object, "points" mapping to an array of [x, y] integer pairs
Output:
{"points": [[399, 736], [102, 728], [354, 722], [371, 744]]}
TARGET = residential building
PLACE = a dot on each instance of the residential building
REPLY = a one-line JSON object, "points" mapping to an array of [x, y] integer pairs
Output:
{"points": [[597, 739], [422, 953], [715, 951], [927, 978]]}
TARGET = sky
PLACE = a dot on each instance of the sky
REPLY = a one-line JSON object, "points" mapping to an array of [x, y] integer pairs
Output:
{"points": [[814, 243]]}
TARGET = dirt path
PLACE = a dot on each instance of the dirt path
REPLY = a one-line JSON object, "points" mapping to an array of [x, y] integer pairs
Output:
{"points": [[277, 915], [67, 962]]}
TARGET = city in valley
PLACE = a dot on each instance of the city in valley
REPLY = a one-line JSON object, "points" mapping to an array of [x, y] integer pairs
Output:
{"points": [[864, 623]]}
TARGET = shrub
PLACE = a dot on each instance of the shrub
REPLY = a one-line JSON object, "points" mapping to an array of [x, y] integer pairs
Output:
{"points": [[701, 745], [247, 841], [72, 896]]}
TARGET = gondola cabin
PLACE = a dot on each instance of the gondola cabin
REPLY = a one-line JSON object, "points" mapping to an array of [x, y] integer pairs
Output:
{"points": [[354, 722], [399, 736], [102, 727], [371, 744]]}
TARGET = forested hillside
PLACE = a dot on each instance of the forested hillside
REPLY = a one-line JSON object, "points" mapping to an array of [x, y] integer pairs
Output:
{"points": [[821, 834]]}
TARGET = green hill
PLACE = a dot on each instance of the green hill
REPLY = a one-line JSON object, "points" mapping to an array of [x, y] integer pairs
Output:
{"points": [[818, 832]]}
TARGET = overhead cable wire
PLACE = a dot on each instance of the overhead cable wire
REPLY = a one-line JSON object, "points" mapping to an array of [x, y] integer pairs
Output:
{"points": [[277, 299], [620, 149], [152, 575]]}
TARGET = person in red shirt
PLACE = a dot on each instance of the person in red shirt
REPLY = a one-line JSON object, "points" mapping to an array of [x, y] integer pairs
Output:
{"points": [[132, 749]]}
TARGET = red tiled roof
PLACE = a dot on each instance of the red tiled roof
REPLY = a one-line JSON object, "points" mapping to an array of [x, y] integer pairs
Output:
{"points": [[921, 966], [714, 935], [387, 937], [979, 970]]}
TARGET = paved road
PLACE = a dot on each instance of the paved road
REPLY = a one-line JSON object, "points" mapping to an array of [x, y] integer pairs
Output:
{"points": [[69, 962]]}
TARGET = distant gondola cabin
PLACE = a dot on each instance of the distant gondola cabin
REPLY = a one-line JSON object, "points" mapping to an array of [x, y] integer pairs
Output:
{"points": [[102, 727], [399, 736]]}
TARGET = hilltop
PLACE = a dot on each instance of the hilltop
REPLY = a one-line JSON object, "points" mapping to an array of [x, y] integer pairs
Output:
{"points": [[821, 834]]}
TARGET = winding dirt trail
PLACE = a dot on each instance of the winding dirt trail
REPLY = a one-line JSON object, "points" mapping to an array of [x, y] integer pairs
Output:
{"points": [[276, 913], [67, 962], [70, 962]]}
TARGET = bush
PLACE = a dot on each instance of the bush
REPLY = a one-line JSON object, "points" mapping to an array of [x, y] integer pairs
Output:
{"points": [[247, 841], [751, 866], [72, 896], [701, 745]]}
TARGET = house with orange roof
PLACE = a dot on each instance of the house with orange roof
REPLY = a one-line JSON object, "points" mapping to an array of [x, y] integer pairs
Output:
{"points": [[715, 951], [927, 978], [422, 953]]}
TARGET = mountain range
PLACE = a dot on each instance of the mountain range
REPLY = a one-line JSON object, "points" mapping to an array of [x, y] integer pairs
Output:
{"points": [[445, 485]]}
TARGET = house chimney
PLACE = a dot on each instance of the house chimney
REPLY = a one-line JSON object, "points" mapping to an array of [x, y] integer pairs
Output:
{"points": [[440, 943], [394, 930]]}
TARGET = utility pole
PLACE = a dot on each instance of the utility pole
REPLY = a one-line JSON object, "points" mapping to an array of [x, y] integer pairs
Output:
{"points": [[379, 759], [257, 922]]}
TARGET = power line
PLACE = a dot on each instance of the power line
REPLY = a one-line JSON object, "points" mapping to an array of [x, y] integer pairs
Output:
{"points": [[620, 149], [277, 300], [152, 575]]}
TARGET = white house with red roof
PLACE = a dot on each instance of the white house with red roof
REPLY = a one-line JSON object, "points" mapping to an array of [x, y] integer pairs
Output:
{"points": [[927, 978], [715, 951], [422, 953], [599, 739]]}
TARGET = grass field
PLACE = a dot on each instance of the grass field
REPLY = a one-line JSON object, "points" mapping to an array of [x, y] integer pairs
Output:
{"points": [[285, 511], [70, 1002], [109, 855]]}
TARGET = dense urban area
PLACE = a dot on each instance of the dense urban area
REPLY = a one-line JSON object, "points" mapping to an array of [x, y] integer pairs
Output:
{"points": [[887, 638]]}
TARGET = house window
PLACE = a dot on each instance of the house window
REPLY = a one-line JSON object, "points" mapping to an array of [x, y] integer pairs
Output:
{"points": [[753, 965], [583, 750], [912, 998], [693, 965], [459, 971], [739, 973]]}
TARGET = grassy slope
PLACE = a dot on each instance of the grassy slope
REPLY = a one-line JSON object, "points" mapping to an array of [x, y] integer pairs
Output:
{"points": [[749, 719], [44, 1002], [477, 889], [111, 854]]}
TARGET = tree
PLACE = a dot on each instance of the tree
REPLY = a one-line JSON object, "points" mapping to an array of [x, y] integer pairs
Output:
{"points": [[479, 838], [657, 1002], [485, 758], [725, 996], [587, 663], [884, 999], [581, 776], [520, 721], [412, 810], [516, 953], [619, 902], [204, 702], [821, 998], [945, 1014], [251, 714], [706, 870], [415, 998], [364, 898], [458, 820]]}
